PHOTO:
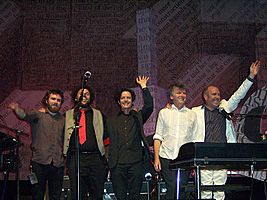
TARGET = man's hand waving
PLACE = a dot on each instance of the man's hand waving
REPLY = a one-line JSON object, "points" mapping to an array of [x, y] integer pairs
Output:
{"points": [[254, 68], [142, 81]]}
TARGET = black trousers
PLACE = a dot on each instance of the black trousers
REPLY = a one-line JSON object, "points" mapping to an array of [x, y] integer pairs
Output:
{"points": [[93, 173], [170, 176], [127, 178], [47, 174]]}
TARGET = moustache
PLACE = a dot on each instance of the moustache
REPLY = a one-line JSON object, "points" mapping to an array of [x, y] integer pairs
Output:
{"points": [[55, 105]]}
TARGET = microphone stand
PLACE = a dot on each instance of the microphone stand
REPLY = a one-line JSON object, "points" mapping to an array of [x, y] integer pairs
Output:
{"points": [[18, 133], [77, 116], [18, 163]]}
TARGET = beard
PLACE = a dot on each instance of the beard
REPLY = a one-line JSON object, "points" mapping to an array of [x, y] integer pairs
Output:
{"points": [[53, 108]]}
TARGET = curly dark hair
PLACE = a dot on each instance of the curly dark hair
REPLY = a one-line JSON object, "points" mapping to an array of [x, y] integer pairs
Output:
{"points": [[52, 91], [76, 90], [118, 94]]}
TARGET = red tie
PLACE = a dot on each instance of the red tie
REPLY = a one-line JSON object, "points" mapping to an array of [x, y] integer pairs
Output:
{"points": [[82, 128]]}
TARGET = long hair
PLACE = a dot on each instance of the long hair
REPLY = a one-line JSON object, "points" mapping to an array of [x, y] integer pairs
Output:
{"points": [[76, 90]]}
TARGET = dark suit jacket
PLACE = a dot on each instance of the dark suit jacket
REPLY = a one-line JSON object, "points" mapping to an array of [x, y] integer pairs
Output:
{"points": [[112, 127]]}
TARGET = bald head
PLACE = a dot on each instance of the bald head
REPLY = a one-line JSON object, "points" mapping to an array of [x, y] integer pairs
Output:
{"points": [[211, 96]]}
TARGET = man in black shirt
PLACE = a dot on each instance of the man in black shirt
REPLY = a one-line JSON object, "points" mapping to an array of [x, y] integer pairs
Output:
{"points": [[92, 145], [47, 141], [127, 142]]}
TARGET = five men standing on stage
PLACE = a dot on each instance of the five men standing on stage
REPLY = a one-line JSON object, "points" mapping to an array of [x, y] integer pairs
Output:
{"points": [[120, 139]]}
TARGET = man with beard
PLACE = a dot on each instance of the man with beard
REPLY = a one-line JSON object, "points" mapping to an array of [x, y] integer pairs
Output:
{"points": [[215, 125], [176, 125], [47, 142], [92, 145], [126, 136]]}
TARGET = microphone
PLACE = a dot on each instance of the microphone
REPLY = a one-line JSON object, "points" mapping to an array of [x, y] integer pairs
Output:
{"points": [[87, 75], [224, 113]]}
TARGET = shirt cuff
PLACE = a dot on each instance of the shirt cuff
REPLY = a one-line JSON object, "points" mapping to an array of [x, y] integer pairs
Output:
{"points": [[157, 137], [251, 79]]}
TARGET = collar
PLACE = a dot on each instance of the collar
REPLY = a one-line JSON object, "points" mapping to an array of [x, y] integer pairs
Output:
{"points": [[132, 112], [86, 109], [51, 113], [181, 110], [206, 108]]}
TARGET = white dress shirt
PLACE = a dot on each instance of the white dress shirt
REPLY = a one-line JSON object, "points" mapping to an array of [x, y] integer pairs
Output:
{"points": [[174, 128]]}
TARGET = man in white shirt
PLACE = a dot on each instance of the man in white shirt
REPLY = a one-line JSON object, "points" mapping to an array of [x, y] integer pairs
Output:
{"points": [[175, 126]]}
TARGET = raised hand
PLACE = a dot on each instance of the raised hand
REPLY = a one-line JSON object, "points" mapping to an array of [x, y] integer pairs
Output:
{"points": [[13, 106], [17, 109], [42, 110], [142, 81], [254, 68]]}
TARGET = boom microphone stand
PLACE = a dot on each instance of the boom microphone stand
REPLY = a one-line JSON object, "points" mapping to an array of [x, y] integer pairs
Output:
{"points": [[77, 116]]}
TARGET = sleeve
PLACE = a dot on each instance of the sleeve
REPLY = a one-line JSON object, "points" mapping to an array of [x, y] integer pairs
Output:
{"points": [[105, 134], [32, 116], [238, 95], [159, 127], [195, 136], [148, 105]]}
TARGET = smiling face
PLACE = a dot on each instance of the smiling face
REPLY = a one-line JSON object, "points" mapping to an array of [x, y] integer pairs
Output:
{"points": [[86, 96], [125, 100], [212, 97], [178, 96], [54, 103]]}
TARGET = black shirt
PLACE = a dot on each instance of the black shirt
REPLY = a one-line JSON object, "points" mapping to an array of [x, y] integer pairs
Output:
{"points": [[90, 145], [129, 137], [215, 126]]}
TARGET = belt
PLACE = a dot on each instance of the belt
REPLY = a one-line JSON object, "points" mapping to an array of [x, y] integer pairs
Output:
{"points": [[88, 152]]}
